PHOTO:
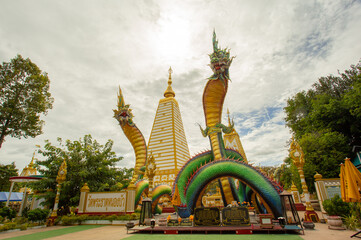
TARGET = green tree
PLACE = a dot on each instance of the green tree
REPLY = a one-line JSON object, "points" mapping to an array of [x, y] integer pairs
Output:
{"points": [[7, 171], [333, 104], [289, 174], [326, 121], [87, 162], [24, 95]]}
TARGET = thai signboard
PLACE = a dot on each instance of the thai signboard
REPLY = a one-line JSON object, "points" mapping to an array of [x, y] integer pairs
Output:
{"points": [[106, 202], [207, 216], [236, 216]]}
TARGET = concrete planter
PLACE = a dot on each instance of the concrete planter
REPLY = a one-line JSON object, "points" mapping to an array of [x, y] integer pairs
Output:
{"points": [[335, 223], [308, 225]]}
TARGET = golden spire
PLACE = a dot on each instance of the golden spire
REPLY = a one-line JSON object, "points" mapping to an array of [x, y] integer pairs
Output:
{"points": [[31, 164], [169, 92], [29, 170], [229, 119], [229, 122]]}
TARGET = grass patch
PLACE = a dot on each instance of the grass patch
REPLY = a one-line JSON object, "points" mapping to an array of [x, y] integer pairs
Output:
{"points": [[215, 237], [54, 233]]}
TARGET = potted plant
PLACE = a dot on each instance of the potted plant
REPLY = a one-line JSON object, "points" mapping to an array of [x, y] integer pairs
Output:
{"points": [[336, 209], [183, 211]]}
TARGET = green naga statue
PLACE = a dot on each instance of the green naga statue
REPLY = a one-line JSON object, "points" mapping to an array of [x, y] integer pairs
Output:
{"points": [[220, 163]]}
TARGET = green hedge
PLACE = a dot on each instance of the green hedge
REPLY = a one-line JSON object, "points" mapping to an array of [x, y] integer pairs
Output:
{"points": [[7, 212], [39, 215], [73, 219]]}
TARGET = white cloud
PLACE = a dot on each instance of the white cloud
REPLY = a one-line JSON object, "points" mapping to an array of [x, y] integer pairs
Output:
{"points": [[89, 48]]}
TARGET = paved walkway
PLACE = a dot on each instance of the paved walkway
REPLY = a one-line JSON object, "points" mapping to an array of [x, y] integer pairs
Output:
{"points": [[87, 232], [106, 232], [119, 232], [5, 235], [321, 232]]}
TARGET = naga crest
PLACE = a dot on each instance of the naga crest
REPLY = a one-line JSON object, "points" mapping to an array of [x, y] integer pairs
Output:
{"points": [[124, 113], [220, 61]]}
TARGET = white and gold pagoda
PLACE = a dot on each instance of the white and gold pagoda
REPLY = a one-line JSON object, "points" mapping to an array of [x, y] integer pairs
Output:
{"points": [[167, 141]]}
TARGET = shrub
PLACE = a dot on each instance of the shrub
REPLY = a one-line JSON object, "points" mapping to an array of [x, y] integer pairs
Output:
{"points": [[356, 209], [111, 217], [351, 222], [81, 218], [336, 207], [134, 216], [38, 214], [25, 211], [68, 220], [57, 220], [21, 220], [123, 217], [23, 227], [94, 217], [8, 226], [7, 212]]}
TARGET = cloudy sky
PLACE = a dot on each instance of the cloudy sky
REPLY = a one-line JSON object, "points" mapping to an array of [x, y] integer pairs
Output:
{"points": [[89, 48]]}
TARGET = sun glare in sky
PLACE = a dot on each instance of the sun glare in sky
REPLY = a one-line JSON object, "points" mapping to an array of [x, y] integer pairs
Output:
{"points": [[173, 38]]}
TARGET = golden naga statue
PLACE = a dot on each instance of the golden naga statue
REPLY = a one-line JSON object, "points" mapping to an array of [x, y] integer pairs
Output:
{"points": [[125, 118], [62, 172]]}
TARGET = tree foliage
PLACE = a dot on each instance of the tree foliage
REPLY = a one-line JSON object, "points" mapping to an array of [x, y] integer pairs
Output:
{"points": [[87, 162], [288, 175], [326, 121], [7, 171], [333, 104], [24, 95]]}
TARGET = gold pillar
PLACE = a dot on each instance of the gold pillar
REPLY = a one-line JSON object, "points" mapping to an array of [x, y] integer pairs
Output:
{"points": [[82, 202], [295, 193], [297, 156], [59, 179]]}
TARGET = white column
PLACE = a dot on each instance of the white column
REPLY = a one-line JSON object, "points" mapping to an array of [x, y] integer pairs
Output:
{"points": [[22, 203], [11, 189], [130, 200]]}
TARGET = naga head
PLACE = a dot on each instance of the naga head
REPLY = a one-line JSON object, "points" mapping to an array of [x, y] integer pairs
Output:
{"points": [[220, 61], [124, 113]]}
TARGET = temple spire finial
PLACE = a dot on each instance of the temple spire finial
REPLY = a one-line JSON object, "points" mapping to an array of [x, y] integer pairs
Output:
{"points": [[170, 71], [169, 92], [229, 119]]}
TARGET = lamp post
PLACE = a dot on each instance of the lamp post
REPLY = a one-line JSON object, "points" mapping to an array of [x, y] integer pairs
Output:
{"points": [[59, 179], [297, 156]]}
